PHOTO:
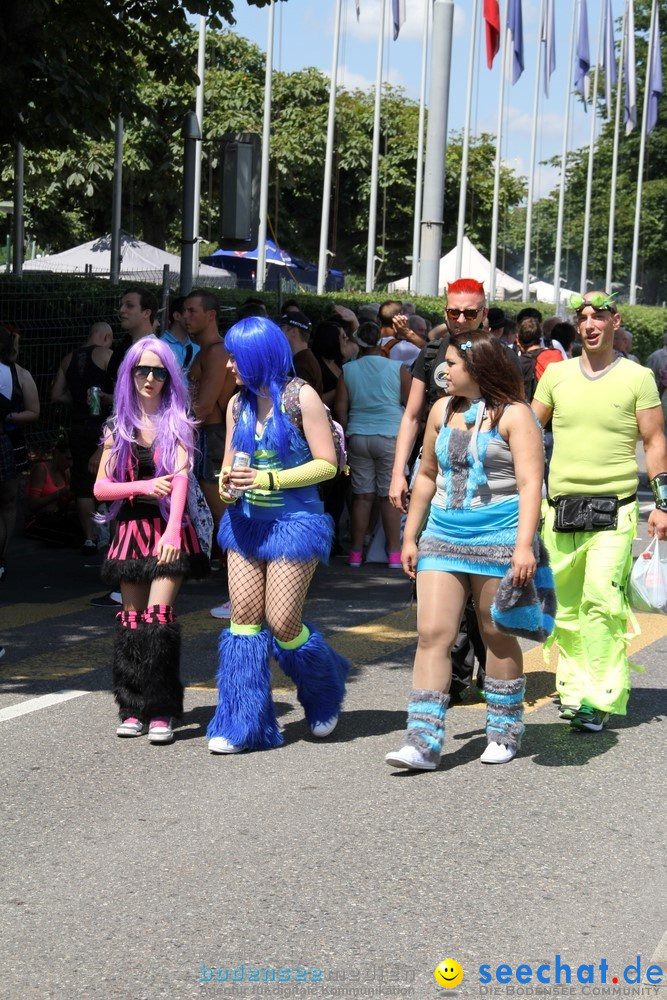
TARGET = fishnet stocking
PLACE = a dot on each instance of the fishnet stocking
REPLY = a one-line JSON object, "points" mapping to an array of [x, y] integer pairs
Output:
{"points": [[247, 582], [286, 588]]}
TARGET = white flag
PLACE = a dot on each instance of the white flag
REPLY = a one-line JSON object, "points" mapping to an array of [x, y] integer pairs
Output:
{"points": [[358, 6]]}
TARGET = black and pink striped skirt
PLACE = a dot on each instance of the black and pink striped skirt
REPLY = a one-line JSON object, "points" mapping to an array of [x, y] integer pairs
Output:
{"points": [[132, 554]]}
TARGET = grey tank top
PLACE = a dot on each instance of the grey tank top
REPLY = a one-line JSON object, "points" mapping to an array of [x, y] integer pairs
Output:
{"points": [[495, 480]]}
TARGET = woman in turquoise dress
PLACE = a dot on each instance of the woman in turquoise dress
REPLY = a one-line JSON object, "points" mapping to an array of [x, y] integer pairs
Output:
{"points": [[479, 490]]}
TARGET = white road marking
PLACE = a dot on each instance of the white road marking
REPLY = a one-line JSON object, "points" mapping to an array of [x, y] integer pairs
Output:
{"points": [[43, 701], [659, 957]]}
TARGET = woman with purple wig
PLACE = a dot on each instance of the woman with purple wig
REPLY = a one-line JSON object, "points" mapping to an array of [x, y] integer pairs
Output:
{"points": [[148, 448], [274, 532]]}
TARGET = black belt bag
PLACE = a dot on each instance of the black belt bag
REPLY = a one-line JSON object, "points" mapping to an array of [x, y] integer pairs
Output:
{"points": [[581, 513]]}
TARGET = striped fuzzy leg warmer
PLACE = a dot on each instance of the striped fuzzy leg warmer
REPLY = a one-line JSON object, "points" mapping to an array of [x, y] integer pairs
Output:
{"points": [[128, 671], [318, 671], [426, 722], [504, 711], [245, 714], [163, 690]]}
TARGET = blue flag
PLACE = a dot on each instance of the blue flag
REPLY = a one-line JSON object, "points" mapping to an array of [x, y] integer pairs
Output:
{"points": [[582, 64], [630, 92], [609, 57], [515, 25], [398, 10], [655, 78], [549, 39]]}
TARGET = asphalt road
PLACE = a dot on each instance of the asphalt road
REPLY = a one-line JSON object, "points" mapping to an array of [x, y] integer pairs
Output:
{"points": [[134, 871]]}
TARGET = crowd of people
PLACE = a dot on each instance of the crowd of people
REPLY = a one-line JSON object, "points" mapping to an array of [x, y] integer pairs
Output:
{"points": [[469, 450]]}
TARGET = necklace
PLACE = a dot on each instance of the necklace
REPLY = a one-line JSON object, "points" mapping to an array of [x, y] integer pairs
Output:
{"points": [[470, 414]]}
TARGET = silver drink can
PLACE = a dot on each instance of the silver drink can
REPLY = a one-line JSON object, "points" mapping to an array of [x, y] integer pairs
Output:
{"points": [[94, 404], [241, 460]]}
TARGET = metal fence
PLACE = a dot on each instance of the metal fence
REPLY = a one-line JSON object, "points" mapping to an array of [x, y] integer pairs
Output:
{"points": [[53, 314]]}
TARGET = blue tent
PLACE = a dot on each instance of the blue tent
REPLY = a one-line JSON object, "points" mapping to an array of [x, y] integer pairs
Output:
{"points": [[280, 265]]}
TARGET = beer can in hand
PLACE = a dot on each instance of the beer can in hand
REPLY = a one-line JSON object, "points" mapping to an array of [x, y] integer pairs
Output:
{"points": [[94, 402], [241, 460]]}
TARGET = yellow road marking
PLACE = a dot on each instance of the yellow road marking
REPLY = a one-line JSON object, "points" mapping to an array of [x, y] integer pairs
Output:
{"points": [[384, 636]]}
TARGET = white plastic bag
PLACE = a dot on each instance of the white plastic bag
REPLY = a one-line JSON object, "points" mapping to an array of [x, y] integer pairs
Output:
{"points": [[648, 580]]}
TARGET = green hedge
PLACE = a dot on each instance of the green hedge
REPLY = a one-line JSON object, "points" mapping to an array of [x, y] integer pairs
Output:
{"points": [[37, 296]]}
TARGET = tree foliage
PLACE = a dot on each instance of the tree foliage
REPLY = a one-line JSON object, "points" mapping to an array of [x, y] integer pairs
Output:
{"points": [[68, 188], [653, 231], [67, 63]]}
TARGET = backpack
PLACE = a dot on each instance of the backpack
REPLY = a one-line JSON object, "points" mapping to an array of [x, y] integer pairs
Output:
{"points": [[433, 392], [386, 348], [293, 411], [527, 364]]}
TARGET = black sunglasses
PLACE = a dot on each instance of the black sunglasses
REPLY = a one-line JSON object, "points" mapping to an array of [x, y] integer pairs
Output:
{"points": [[159, 373], [468, 313]]}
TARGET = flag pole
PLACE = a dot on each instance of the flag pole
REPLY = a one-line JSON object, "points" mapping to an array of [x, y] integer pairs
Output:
{"points": [[416, 231], [463, 192], [499, 138], [260, 277], [614, 161], [199, 110], [375, 159], [322, 266], [583, 283], [533, 151], [640, 167], [563, 168]]}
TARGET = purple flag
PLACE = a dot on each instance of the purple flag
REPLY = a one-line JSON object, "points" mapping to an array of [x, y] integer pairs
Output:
{"points": [[549, 39], [630, 92], [655, 78], [515, 25], [398, 10], [582, 64], [609, 57]]}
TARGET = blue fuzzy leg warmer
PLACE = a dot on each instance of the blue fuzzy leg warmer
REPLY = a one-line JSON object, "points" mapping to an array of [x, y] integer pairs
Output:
{"points": [[245, 714], [319, 673], [504, 711], [426, 722]]}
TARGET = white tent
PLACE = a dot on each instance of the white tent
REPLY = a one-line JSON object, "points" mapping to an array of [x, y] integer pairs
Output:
{"points": [[139, 261], [542, 291], [473, 265]]}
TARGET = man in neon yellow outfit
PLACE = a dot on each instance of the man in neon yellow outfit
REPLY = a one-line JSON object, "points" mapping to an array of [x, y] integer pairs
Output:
{"points": [[600, 404]]}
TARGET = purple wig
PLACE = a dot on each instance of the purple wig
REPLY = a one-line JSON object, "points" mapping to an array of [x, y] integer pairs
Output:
{"points": [[173, 426]]}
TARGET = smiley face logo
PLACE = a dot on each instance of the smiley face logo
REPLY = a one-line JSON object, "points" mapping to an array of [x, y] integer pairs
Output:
{"points": [[448, 974]]}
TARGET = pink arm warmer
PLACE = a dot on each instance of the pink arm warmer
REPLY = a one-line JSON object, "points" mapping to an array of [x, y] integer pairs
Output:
{"points": [[179, 492], [105, 489]]}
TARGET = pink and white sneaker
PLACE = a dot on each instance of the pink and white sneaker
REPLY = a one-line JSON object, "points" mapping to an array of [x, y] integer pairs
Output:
{"points": [[131, 727], [160, 731]]}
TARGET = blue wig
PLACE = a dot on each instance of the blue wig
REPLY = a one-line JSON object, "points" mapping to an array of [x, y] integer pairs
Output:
{"points": [[263, 359]]}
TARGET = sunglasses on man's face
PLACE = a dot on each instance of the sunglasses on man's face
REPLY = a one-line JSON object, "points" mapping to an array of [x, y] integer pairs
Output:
{"points": [[600, 302], [158, 373], [468, 313]]}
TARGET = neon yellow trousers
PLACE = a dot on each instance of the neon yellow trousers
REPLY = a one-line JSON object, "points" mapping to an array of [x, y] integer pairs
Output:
{"points": [[593, 620]]}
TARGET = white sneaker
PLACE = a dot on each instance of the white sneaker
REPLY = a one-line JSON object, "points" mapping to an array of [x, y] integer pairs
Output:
{"points": [[322, 729], [497, 753], [131, 727], [410, 758], [116, 596], [222, 611], [218, 744]]}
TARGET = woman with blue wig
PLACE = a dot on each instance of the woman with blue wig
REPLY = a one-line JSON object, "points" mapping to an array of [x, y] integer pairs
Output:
{"points": [[143, 472], [274, 532]]}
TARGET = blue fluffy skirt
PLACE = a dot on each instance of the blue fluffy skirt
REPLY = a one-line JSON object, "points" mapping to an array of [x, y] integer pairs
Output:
{"points": [[297, 537]]}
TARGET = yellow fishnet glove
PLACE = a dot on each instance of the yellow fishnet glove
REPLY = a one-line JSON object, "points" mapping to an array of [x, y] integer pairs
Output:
{"points": [[308, 474]]}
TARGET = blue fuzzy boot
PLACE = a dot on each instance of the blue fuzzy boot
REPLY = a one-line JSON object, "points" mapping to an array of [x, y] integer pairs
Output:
{"points": [[319, 673], [245, 718]]}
